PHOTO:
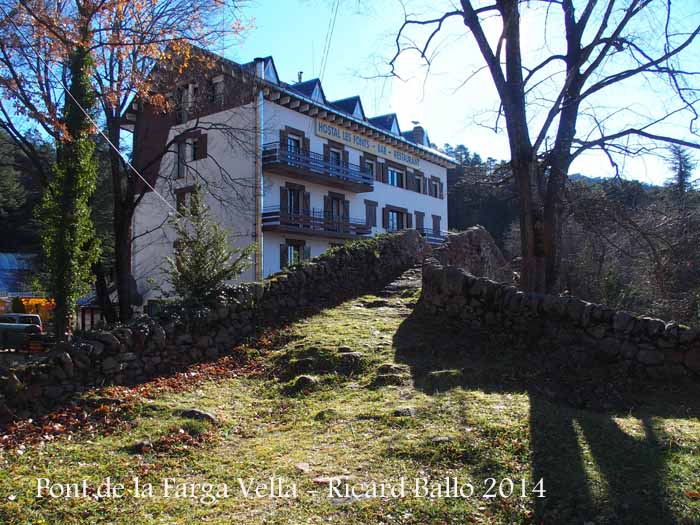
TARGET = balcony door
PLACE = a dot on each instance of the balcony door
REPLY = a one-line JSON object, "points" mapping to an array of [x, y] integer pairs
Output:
{"points": [[294, 197], [336, 212], [295, 202], [396, 221], [293, 149]]}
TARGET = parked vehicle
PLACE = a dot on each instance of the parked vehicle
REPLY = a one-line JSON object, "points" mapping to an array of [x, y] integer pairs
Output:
{"points": [[17, 330]]}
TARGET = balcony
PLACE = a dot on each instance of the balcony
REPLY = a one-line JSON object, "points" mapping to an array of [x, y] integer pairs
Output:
{"points": [[310, 166], [431, 236], [313, 222]]}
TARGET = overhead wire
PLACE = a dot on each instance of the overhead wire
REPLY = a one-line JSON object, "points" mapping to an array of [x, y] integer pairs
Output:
{"points": [[329, 41], [89, 117]]}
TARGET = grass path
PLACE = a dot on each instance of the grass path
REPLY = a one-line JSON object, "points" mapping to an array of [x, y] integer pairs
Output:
{"points": [[406, 399]]}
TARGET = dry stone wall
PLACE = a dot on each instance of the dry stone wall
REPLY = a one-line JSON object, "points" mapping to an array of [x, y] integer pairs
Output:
{"points": [[146, 348], [475, 251], [586, 332]]}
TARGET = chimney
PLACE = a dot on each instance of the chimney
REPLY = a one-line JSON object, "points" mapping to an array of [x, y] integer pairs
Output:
{"points": [[418, 135], [299, 75]]}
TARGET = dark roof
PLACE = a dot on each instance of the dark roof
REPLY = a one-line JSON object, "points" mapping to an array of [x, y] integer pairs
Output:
{"points": [[347, 105], [249, 67], [384, 121], [408, 135], [306, 87]]}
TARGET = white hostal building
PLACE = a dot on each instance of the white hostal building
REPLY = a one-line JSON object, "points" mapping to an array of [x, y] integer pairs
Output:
{"points": [[279, 166]]}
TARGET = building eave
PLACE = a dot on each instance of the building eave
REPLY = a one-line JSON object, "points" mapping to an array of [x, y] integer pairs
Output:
{"points": [[281, 95]]}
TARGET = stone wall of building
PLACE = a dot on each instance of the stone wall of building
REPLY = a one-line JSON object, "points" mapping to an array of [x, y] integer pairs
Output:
{"points": [[586, 332], [146, 348]]}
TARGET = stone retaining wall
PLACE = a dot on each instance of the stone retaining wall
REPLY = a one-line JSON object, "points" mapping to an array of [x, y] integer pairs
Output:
{"points": [[587, 332], [146, 348]]}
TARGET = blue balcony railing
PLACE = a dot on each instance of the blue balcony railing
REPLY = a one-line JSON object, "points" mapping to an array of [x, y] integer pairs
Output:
{"points": [[304, 160]]}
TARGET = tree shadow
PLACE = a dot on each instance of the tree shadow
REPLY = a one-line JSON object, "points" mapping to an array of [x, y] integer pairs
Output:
{"points": [[594, 470]]}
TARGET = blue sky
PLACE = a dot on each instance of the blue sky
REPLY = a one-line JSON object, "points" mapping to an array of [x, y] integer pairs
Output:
{"points": [[294, 33]]}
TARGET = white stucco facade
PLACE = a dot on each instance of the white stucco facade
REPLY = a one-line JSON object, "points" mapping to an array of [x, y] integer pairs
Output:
{"points": [[235, 163]]}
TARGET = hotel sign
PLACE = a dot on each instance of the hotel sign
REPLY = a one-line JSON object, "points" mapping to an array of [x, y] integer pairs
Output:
{"points": [[355, 140]]}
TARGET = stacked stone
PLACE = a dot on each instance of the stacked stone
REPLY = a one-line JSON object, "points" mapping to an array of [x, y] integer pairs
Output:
{"points": [[657, 348], [145, 348]]}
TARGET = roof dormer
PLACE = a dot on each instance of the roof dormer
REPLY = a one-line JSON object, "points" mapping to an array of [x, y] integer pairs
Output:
{"points": [[271, 71], [351, 106], [311, 89], [388, 122]]}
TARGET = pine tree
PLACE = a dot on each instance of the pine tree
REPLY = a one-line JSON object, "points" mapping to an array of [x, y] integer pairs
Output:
{"points": [[204, 259], [12, 194], [682, 164]]}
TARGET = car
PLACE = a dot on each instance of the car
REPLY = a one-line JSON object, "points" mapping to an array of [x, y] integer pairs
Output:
{"points": [[17, 330]]}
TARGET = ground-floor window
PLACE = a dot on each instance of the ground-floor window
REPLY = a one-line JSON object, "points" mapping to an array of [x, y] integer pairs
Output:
{"points": [[396, 220], [293, 251]]}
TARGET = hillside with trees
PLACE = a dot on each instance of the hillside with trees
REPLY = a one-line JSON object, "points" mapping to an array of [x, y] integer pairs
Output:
{"points": [[624, 243]]}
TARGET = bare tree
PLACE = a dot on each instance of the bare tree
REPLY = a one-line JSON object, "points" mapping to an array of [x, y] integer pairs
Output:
{"points": [[128, 39], [556, 101]]}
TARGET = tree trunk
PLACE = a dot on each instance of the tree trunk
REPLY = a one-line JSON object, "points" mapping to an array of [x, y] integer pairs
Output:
{"points": [[102, 293], [122, 252], [533, 267], [72, 245], [123, 214]]}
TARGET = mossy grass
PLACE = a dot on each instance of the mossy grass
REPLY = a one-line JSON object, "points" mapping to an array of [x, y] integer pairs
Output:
{"points": [[633, 463]]}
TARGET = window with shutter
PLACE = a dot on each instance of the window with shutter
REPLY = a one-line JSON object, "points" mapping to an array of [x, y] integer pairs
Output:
{"points": [[370, 213], [436, 224], [181, 162], [294, 250], [199, 147], [283, 256], [284, 204], [345, 219], [369, 169], [434, 188], [420, 217]]}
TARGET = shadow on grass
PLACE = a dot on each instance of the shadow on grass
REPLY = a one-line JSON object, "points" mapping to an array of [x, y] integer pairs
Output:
{"points": [[593, 470]]}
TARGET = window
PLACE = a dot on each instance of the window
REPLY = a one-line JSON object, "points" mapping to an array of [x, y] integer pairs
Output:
{"points": [[434, 188], [419, 184], [335, 157], [195, 149], [181, 163], [293, 144], [336, 210], [181, 104], [294, 201], [216, 91], [370, 213], [420, 221], [183, 198], [436, 225], [396, 220], [293, 252], [394, 177], [369, 168], [194, 95]]}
